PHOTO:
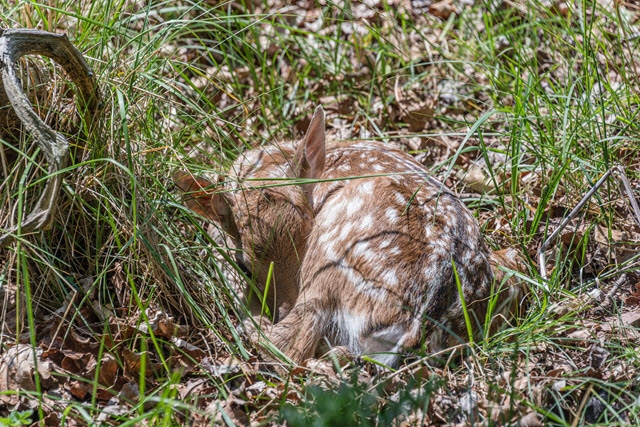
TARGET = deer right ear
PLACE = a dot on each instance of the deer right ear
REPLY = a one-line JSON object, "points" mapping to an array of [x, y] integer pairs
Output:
{"points": [[309, 159], [200, 197]]}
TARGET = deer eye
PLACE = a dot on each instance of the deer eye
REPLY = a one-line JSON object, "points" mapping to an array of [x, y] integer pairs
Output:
{"points": [[266, 195], [258, 251], [244, 269], [241, 265]]}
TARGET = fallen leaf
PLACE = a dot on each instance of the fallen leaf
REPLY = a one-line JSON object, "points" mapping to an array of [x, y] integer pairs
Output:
{"points": [[107, 369], [130, 392], [630, 318], [530, 420], [601, 235], [230, 409], [75, 362], [580, 336], [475, 178], [79, 389], [221, 369], [17, 368], [416, 114], [634, 298], [559, 385], [133, 361], [442, 9]]}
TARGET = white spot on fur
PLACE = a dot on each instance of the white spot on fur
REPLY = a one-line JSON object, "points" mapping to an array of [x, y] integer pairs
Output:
{"points": [[333, 211], [366, 187], [366, 223], [272, 149], [391, 214], [397, 179], [324, 238], [354, 206], [400, 199], [390, 277], [275, 173], [470, 230], [345, 231], [433, 276], [428, 231], [330, 251], [385, 243], [430, 272], [441, 251], [363, 253]]}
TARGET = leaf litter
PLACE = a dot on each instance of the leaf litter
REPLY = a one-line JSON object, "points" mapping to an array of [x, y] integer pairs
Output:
{"points": [[107, 354]]}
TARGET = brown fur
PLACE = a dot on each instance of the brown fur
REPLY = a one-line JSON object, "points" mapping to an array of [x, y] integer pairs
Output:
{"points": [[367, 262]]}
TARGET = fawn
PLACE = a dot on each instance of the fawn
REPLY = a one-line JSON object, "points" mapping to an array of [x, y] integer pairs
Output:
{"points": [[368, 250]]}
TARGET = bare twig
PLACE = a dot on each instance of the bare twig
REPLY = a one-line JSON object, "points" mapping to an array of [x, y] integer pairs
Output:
{"points": [[629, 190], [13, 45], [616, 285], [619, 171]]}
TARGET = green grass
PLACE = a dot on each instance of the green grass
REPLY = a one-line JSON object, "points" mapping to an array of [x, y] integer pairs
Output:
{"points": [[548, 101]]}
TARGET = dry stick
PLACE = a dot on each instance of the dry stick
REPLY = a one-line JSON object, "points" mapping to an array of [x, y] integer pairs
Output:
{"points": [[627, 186], [583, 403], [616, 285], [629, 190], [64, 316], [13, 45]]}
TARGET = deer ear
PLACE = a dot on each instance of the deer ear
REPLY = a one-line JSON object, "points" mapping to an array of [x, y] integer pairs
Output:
{"points": [[310, 155], [200, 197], [197, 192]]}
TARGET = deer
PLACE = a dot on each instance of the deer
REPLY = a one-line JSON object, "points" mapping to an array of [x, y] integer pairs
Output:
{"points": [[365, 250]]}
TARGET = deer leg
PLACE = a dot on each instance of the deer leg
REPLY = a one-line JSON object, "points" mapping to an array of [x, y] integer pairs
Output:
{"points": [[297, 335]]}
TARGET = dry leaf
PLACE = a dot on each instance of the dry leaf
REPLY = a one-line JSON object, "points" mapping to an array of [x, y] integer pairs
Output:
{"points": [[631, 318], [17, 368], [442, 9], [531, 419], [79, 389]]}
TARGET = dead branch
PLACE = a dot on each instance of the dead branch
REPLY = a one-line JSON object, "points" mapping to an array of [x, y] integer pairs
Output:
{"points": [[615, 170], [13, 45]]}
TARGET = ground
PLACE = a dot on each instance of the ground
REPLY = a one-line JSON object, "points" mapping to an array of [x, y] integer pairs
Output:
{"points": [[125, 311]]}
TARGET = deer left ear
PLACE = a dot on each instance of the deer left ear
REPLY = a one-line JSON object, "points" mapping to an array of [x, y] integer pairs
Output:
{"points": [[197, 192], [200, 196], [308, 162]]}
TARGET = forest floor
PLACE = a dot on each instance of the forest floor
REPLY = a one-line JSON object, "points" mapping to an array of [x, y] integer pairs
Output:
{"points": [[126, 311]]}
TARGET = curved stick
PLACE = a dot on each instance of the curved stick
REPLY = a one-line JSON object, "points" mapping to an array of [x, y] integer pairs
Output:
{"points": [[13, 45]]}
